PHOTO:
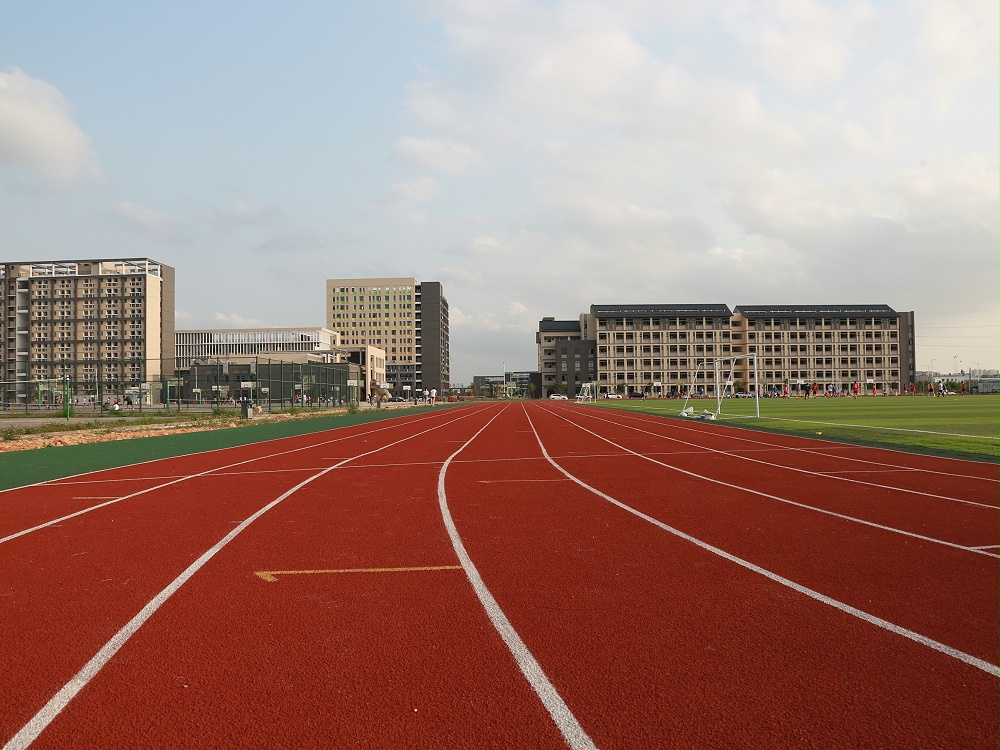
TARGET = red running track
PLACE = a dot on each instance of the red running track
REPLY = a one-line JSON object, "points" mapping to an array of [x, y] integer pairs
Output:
{"points": [[525, 575]]}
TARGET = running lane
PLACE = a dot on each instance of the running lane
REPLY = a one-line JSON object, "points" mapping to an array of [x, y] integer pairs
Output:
{"points": [[70, 586], [655, 641], [339, 618]]}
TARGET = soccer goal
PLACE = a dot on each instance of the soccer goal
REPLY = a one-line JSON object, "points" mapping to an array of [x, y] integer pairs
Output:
{"points": [[32, 394], [587, 392], [722, 370]]}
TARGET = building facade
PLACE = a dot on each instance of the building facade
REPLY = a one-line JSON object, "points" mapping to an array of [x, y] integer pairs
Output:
{"points": [[207, 344], [668, 349], [827, 345], [106, 325], [405, 318]]}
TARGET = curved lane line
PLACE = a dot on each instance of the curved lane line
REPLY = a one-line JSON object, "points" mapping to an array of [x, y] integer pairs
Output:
{"points": [[220, 469], [974, 661], [30, 731], [563, 717]]}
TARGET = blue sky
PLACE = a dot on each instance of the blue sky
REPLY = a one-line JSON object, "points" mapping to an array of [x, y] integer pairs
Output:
{"points": [[535, 157]]}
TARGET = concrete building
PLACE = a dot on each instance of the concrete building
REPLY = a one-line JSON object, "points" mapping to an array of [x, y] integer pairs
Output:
{"points": [[406, 318], [802, 345], [267, 347], [105, 324], [212, 343], [656, 349]]}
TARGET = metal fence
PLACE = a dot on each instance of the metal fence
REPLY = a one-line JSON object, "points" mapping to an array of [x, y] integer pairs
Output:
{"points": [[271, 384]]}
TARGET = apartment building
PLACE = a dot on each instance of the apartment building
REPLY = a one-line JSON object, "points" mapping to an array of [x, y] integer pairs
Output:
{"points": [[662, 349], [105, 324], [405, 318]]}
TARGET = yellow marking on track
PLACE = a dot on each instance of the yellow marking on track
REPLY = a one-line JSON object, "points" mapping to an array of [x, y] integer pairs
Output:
{"points": [[271, 575], [502, 481]]}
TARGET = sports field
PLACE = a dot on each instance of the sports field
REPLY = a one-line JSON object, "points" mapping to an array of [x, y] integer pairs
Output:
{"points": [[536, 574], [959, 426]]}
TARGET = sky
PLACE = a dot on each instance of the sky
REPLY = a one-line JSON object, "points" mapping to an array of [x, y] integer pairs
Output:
{"points": [[534, 156]]}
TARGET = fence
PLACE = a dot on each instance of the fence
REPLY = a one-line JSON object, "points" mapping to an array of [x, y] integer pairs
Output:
{"points": [[272, 384]]}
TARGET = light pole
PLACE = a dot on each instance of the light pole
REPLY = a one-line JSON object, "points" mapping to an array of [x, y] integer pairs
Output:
{"points": [[503, 365]]}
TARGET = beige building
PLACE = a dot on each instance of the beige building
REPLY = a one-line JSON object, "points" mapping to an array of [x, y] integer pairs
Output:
{"points": [[405, 318], [105, 324], [664, 349]]}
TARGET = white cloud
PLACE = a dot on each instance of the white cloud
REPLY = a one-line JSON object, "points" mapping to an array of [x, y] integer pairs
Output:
{"points": [[241, 214], [37, 132], [406, 197], [235, 320], [439, 154], [149, 222]]}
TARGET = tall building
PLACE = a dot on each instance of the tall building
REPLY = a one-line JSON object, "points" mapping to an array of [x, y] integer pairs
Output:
{"points": [[405, 318], [662, 349], [105, 324]]}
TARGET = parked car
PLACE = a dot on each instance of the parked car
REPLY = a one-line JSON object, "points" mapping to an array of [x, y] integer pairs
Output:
{"points": [[636, 394], [396, 399], [559, 397], [609, 394]]}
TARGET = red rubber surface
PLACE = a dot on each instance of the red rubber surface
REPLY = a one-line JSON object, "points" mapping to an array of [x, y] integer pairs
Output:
{"points": [[649, 639]]}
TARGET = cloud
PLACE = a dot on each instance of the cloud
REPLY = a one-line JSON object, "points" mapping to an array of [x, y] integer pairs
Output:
{"points": [[37, 132], [439, 154], [149, 222], [235, 320], [241, 214], [405, 198]]}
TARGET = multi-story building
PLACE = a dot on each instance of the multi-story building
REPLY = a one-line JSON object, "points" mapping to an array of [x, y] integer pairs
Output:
{"points": [[406, 318], [827, 345], [554, 340], [106, 325], [668, 349]]}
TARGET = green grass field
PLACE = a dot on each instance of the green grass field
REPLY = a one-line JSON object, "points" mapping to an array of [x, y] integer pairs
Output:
{"points": [[954, 426]]}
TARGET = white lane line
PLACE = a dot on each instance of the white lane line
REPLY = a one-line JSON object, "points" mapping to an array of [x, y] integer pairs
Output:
{"points": [[30, 731], [825, 452], [217, 469], [793, 468], [769, 496], [563, 717], [974, 661]]}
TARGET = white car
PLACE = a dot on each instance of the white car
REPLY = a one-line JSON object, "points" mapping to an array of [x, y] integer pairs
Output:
{"points": [[559, 396], [612, 395]]}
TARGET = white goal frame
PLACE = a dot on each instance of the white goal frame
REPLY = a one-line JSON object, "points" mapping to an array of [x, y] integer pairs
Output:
{"points": [[714, 363]]}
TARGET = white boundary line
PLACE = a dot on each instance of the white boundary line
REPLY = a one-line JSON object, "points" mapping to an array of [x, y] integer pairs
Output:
{"points": [[985, 666], [84, 511], [742, 457], [769, 496], [561, 714], [30, 731], [865, 427], [777, 446]]}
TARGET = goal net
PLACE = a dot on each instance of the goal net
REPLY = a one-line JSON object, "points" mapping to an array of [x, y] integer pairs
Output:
{"points": [[722, 371]]}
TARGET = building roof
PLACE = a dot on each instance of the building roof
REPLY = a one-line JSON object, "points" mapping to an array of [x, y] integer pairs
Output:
{"points": [[659, 311], [816, 311], [548, 324]]}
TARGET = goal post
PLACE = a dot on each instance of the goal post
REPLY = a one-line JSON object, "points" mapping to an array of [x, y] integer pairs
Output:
{"points": [[722, 370]]}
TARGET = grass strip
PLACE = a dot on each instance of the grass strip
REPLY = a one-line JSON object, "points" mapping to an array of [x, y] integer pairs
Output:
{"points": [[20, 468], [953, 426]]}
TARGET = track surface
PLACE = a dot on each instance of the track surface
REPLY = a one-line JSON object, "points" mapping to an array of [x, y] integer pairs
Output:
{"points": [[524, 575]]}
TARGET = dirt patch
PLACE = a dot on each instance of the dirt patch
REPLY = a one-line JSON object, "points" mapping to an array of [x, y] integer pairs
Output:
{"points": [[128, 432]]}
